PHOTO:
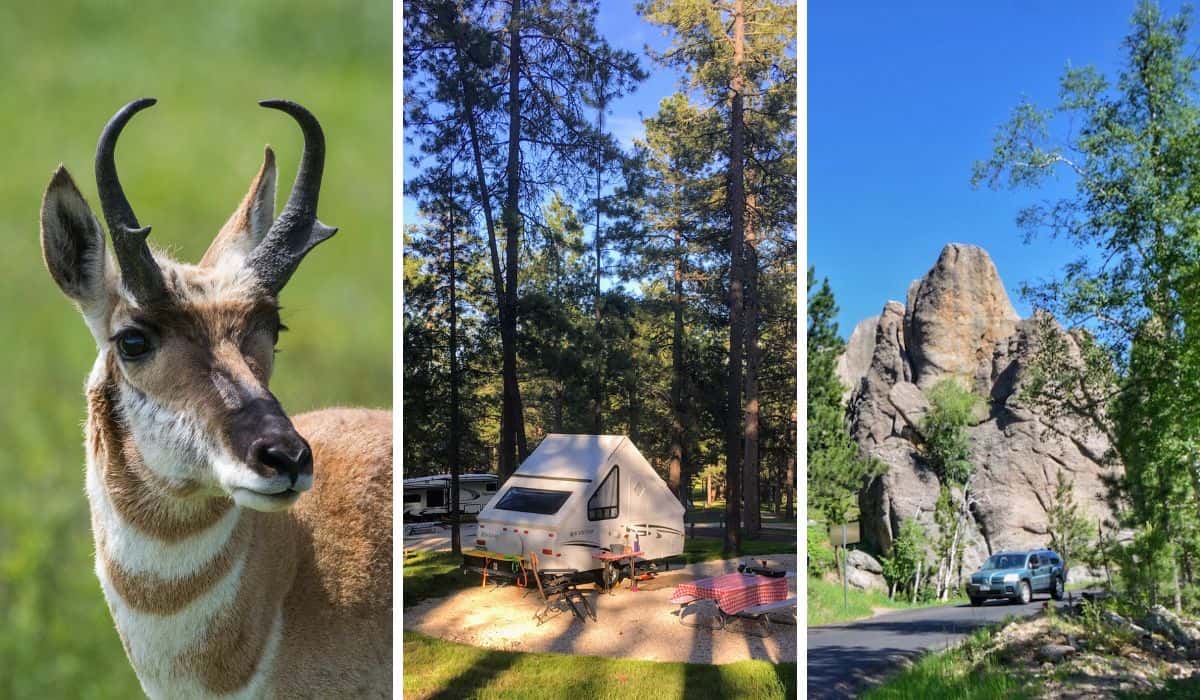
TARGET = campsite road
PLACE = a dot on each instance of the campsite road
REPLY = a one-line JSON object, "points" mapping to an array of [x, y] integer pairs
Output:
{"points": [[432, 537], [845, 659]]}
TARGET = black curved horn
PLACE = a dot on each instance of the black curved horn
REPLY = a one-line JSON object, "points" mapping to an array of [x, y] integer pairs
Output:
{"points": [[296, 230], [139, 272]]}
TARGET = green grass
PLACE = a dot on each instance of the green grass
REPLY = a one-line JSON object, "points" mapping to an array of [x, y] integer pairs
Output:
{"points": [[825, 603], [965, 672], [438, 669], [698, 549], [433, 575], [716, 514], [185, 164]]}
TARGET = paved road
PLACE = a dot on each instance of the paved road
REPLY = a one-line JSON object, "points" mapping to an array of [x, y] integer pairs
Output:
{"points": [[844, 659]]}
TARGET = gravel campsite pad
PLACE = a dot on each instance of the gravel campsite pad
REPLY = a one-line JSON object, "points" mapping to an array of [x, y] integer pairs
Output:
{"points": [[643, 625]]}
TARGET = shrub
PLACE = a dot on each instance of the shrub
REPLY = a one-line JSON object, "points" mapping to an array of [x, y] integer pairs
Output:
{"points": [[908, 550], [820, 554]]}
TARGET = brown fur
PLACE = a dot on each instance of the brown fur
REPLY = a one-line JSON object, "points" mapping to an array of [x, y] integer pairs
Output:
{"points": [[327, 562], [149, 593], [323, 569]]}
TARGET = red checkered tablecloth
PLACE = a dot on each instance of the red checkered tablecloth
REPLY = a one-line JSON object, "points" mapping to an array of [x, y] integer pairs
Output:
{"points": [[736, 592]]}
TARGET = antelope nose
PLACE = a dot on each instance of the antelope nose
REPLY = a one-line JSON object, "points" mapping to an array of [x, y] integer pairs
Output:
{"points": [[286, 455]]}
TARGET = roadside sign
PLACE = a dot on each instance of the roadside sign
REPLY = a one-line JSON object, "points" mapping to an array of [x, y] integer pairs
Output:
{"points": [[836, 534]]}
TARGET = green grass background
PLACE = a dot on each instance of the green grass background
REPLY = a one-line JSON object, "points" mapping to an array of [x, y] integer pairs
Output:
{"points": [[65, 67]]}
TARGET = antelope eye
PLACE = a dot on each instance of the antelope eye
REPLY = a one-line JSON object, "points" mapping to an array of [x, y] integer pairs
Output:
{"points": [[133, 344]]}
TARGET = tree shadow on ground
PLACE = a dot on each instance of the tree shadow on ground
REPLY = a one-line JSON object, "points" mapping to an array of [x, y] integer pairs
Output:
{"points": [[474, 679]]}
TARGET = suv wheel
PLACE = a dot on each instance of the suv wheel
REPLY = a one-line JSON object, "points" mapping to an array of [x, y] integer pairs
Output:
{"points": [[1056, 588], [976, 601], [1026, 594]]}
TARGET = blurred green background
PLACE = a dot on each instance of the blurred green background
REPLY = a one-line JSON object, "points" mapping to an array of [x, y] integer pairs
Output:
{"points": [[65, 67]]}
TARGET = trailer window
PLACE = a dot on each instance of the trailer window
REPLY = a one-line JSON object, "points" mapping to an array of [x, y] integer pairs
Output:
{"points": [[435, 498], [540, 501], [490, 487], [606, 502], [412, 498]]}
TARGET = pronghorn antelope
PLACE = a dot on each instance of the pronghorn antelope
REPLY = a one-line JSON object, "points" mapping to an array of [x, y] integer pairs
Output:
{"points": [[241, 553]]}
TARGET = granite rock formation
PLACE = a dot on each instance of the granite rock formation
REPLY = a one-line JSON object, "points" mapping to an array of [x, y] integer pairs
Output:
{"points": [[958, 322]]}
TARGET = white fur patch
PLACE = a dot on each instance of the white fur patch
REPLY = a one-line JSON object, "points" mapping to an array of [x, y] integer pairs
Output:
{"points": [[156, 641], [139, 554], [174, 445]]}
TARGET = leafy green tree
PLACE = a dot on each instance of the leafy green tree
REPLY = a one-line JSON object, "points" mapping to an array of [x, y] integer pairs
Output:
{"points": [[946, 446], [902, 568], [946, 449], [836, 472], [1130, 145], [1070, 530]]}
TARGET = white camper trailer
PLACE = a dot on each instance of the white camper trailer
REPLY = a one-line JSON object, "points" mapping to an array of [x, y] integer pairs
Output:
{"points": [[578, 496], [428, 497]]}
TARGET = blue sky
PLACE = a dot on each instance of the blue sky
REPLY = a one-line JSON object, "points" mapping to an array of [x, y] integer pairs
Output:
{"points": [[620, 24], [901, 102]]}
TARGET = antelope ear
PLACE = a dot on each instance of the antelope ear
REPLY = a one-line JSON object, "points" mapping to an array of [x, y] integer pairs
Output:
{"points": [[250, 222], [73, 244]]}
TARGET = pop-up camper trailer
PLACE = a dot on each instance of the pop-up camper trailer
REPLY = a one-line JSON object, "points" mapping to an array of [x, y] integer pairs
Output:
{"points": [[578, 496], [428, 497]]}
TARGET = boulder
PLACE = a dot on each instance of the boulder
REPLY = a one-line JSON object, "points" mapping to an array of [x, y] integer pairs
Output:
{"points": [[859, 559], [1120, 622], [959, 323], [1171, 626], [1054, 653], [865, 580]]}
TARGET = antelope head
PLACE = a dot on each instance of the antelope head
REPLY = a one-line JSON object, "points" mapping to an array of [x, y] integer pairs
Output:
{"points": [[188, 349]]}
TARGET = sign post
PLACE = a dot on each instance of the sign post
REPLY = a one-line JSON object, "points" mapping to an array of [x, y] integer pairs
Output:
{"points": [[849, 535], [845, 584]]}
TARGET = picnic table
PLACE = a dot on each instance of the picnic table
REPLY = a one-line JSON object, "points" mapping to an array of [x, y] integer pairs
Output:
{"points": [[613, 557], [750, 595]]}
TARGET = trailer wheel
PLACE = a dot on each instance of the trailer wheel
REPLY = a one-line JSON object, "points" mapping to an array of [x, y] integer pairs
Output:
{"points": [[608, 576]]}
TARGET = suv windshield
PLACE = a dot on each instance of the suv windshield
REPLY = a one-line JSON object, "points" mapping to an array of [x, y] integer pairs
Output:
{"points": [[1004, 561]]}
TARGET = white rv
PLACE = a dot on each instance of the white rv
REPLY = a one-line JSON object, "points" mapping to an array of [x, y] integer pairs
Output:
{"points": [[428, 497], [578, 496]]}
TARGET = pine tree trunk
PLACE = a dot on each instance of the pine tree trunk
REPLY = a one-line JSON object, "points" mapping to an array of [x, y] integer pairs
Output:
{"points": [[635, 407], [789, 509], [1175, 584], [737, 210], [512, 424], [750, 463], [598, 399], [455, 437], [676, 476], [505, 465]]}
